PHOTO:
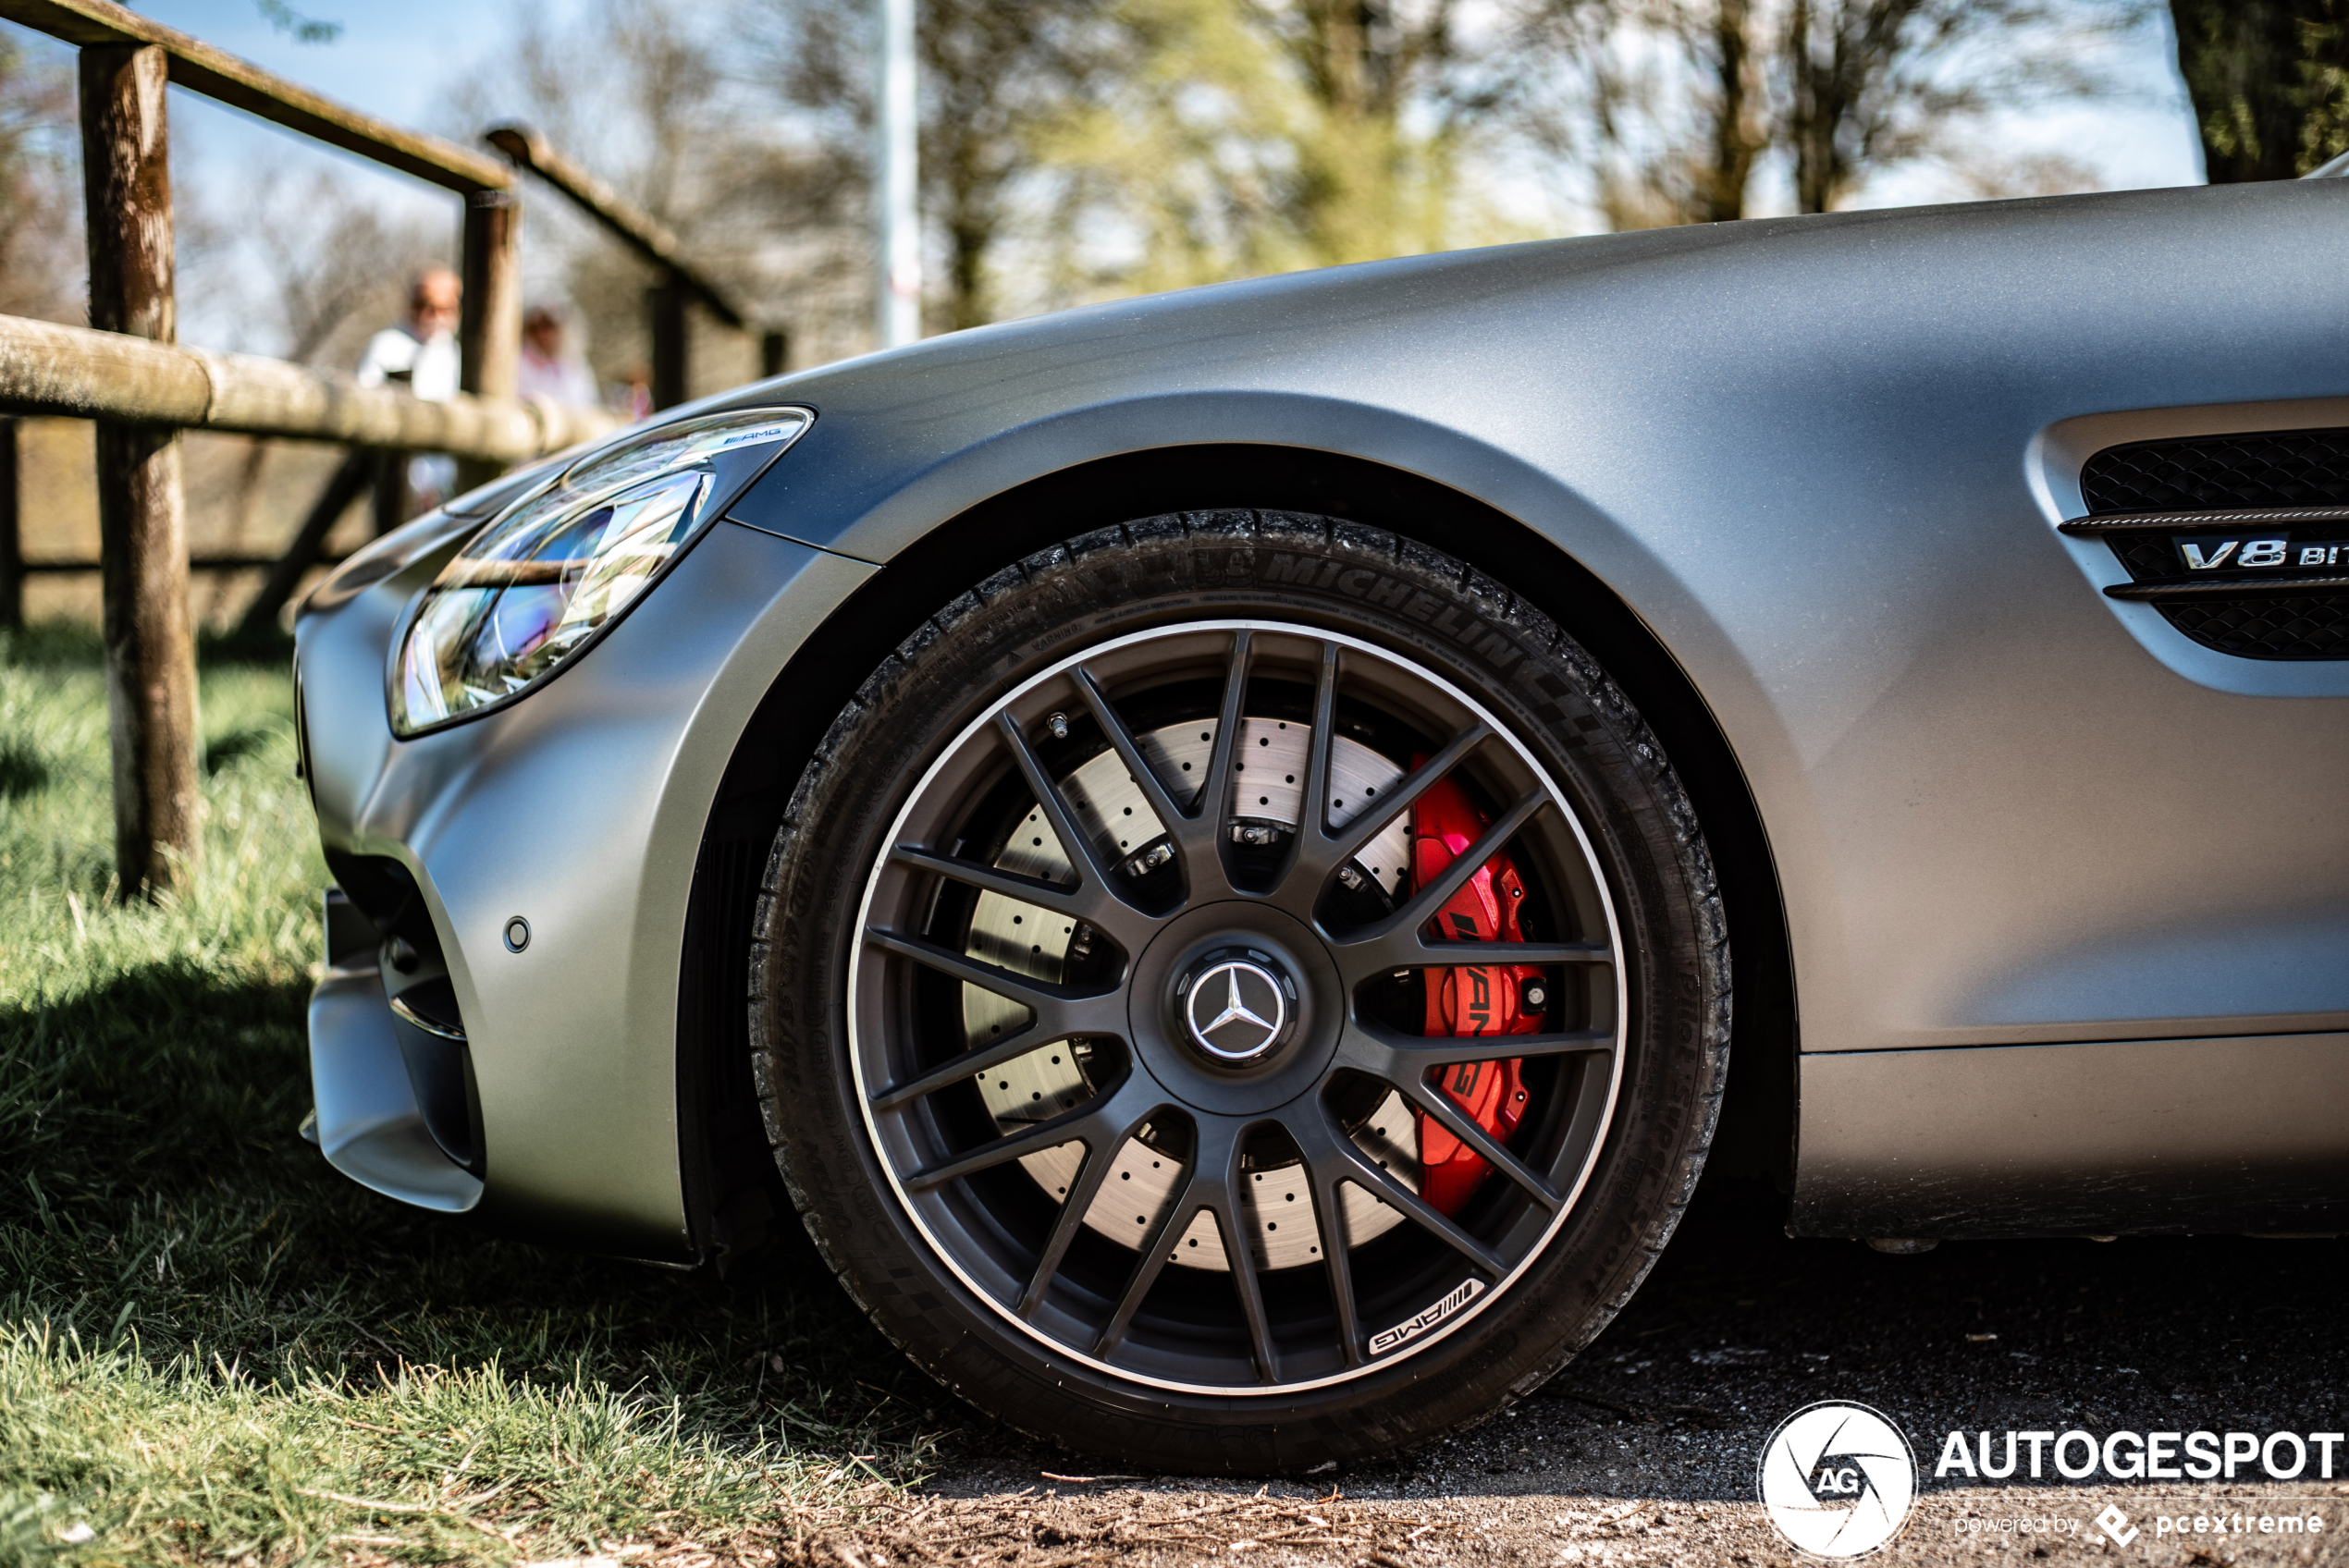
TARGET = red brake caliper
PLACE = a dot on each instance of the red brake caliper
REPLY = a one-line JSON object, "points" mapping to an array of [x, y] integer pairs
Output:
{"points": [[1470, 1000]]}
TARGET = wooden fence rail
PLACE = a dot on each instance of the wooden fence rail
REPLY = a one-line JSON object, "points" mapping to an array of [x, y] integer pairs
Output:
{"points": [[73, 371], [677, 282], [127, 373]]}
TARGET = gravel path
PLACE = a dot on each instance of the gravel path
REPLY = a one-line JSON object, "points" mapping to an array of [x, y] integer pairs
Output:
{"points": [[1644, 1449]]}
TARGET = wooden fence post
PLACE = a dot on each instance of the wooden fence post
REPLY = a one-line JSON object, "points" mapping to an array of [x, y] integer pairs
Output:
{"points": [[151, 661], [11, 537], [666, 300], [489, 324]]}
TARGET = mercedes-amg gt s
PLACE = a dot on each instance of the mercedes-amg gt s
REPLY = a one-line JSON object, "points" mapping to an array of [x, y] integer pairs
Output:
{"points": [[1238, 850]]}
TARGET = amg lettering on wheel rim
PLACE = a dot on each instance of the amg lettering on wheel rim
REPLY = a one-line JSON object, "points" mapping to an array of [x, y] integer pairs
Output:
{"points": [[1237, 1008]]}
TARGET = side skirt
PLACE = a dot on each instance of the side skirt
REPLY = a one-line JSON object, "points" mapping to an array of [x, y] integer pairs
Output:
{"points": [[2245, 1133]]}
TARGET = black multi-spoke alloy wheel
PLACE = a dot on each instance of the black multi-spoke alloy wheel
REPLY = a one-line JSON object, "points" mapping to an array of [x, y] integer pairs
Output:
{"points": [[1110, 1043]]}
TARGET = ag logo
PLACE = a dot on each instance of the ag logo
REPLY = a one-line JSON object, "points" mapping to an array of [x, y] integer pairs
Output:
{"points": [[1837, 1480]]}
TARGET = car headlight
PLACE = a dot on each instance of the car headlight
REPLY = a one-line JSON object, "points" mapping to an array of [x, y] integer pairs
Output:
{"points": [[528, 593]]}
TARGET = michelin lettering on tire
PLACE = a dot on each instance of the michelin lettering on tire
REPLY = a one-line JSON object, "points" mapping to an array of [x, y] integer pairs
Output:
{"points": [[1837, 1480]]}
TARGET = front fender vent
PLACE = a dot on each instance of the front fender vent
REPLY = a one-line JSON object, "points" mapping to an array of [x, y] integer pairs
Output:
{"points": [[2242, 541]]}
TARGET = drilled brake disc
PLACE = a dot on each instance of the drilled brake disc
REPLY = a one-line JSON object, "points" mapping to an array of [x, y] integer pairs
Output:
{"points": [[1051, 1079]]}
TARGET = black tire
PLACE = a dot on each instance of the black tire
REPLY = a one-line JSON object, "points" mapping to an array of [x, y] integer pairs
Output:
{"points": [[1561, 715]]}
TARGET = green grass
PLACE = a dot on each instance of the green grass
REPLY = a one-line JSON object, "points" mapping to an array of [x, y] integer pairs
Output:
{"points": [[213, 1348]]}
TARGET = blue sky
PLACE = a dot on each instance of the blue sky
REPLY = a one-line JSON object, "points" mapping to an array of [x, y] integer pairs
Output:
{"points": [[389, 60]]}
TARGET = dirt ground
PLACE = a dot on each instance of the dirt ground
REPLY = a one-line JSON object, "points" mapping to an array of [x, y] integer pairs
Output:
{"points": [[1056, 1524], [1644, 1451]]}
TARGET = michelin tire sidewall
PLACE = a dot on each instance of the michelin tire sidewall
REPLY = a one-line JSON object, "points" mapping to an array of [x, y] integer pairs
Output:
{"points": [[1160, 571]]}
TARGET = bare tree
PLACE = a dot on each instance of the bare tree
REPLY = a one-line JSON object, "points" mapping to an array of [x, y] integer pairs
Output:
{"points": [[1831, 91], [1364, 65], [995, 78], [1180, 168], [1396, 90], [1671, 126], [41, 259], [1729, 103], [650, 97], [1257, 135], [321, 266], [1872, 83], [1084, 148], [996, 73]]}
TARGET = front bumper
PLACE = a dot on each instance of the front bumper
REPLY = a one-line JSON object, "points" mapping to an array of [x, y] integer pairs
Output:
{"points": [[582, 810], [370, 1121]]}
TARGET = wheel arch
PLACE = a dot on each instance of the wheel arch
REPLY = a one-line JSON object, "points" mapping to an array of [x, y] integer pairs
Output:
{"points": [[728, 1181]]}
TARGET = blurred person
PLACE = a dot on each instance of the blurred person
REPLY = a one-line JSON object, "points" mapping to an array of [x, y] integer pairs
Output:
{"points": [[547, 370], [421, 353], [632, 400]]}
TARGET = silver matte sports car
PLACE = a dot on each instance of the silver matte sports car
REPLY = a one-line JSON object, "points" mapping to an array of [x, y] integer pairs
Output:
{"points": [[1212, 840]]}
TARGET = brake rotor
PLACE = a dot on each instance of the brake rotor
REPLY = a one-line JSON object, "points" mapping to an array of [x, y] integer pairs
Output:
{"points": [[1109, 807]]}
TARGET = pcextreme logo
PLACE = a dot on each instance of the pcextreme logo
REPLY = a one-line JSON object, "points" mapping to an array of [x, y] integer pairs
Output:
{"points": [[1837, 1480]]}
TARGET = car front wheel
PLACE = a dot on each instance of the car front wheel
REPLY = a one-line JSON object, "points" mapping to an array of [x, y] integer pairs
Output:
{"points": [[1240, 991]]}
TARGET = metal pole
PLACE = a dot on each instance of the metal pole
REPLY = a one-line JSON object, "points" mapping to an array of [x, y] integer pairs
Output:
{"points": [[899, 303], [489, 321], [151, 650]]}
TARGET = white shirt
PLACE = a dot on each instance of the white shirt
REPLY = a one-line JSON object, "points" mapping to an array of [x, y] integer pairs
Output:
{"points": [[431, 366], [564, 380]]}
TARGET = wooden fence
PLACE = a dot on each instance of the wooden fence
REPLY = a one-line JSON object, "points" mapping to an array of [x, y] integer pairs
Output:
{"points": [[126, 373]]}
